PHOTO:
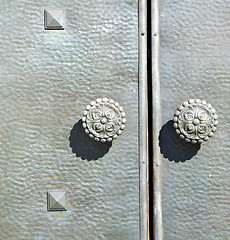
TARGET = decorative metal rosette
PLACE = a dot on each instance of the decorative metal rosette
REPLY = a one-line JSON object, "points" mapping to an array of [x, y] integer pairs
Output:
{"points": [[195, 121], [104, 119]]}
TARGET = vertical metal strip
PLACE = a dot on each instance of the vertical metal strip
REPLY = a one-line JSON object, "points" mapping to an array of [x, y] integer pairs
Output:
{"points": [[143, 121], [156, 120]]}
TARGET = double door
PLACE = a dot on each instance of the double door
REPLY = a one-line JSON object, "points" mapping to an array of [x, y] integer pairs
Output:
{"points": [[62, 179]]}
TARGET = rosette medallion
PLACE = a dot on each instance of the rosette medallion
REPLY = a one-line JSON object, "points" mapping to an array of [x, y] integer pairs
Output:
{"points": [[104, 119], [195, 121]]}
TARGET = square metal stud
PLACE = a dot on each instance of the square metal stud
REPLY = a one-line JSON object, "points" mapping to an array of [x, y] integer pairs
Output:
{"points": [[54, 19], [56, 200]]}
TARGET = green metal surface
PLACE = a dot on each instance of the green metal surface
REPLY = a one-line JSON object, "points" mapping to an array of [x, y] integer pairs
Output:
{"points": [[46, 80], [195, 57]]}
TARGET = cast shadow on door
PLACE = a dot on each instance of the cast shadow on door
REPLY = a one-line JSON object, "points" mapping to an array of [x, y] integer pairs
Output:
{"points": [[84, 146], [172, 147]]}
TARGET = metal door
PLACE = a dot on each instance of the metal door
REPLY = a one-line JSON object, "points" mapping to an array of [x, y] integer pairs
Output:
{"points": [[47, 77], [195, 58]]}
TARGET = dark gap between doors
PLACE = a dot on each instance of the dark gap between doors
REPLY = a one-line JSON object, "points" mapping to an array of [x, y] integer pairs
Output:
{"points": [[150, 128]]}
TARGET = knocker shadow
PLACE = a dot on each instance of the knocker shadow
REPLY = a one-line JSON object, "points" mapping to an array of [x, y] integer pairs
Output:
{"points": [[84, 146], [172, 147]]}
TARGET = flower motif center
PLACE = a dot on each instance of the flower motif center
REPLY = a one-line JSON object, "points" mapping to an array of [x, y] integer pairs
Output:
{"points": [[196, 122], [103, 120]]}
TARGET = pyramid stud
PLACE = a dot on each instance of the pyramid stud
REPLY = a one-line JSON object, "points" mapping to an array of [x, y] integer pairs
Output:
{"points": [[56, 200], [54, 19]]}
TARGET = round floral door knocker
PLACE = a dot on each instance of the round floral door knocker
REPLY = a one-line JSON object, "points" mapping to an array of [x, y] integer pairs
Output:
{"points": [[195, 121], [104, 119]]}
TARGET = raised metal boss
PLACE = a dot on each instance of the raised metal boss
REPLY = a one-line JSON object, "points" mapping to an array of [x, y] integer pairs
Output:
{"points": [[104, 119], [195, 121]]}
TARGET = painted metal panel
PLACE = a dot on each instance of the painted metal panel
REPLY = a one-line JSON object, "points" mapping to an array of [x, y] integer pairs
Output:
{"points": [[47, 77], [195, 57]]}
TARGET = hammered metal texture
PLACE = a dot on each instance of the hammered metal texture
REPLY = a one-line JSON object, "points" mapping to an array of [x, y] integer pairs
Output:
{"points": [[195, 57], [195, 121], [46, 78], [104, 119]]}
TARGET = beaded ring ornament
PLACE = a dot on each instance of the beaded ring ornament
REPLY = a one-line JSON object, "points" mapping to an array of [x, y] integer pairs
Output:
{"points": [[195, 121], [103, 119]]}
